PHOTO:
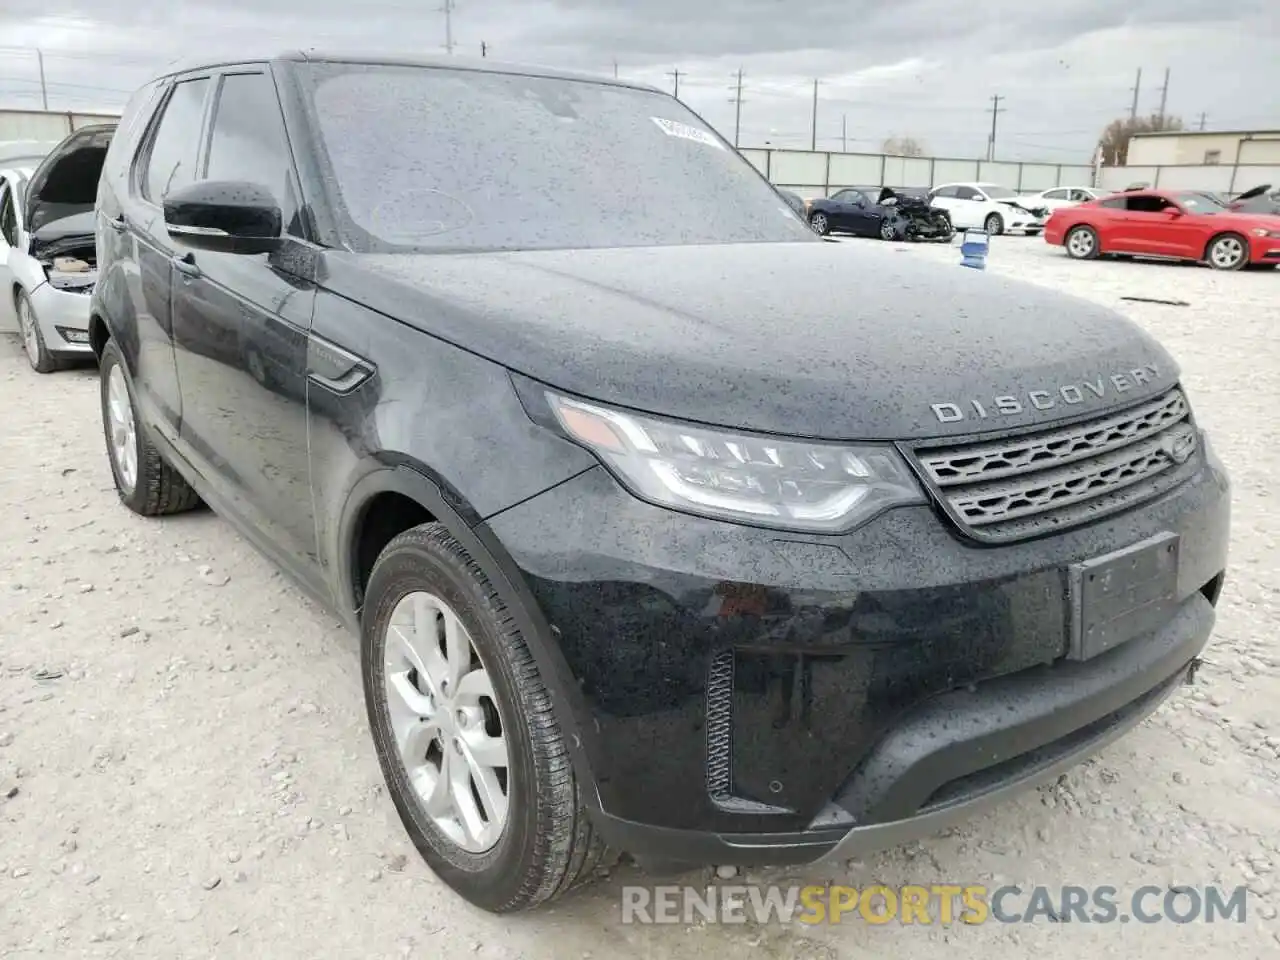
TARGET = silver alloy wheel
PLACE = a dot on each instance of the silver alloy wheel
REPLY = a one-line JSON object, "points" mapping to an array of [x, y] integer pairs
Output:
{"points": [[819, 222], [1226, 252], [445, 720], [27, 326], [887, 231], [1080, 243], [124, 438]]}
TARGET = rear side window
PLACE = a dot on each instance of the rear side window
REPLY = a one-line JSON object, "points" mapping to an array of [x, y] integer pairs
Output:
{"points": [[171, 162], [248, 140], [1147, 204], [1115, 203]]}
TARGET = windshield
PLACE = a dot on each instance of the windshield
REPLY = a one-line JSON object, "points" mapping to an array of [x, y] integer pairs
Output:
{"points": [[998, 193], [429, 159], [1199, 203]]}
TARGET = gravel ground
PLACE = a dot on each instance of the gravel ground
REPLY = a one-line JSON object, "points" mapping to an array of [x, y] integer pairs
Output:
{"points": [[185, 769]]}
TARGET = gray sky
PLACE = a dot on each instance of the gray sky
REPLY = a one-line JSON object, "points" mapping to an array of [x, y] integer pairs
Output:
{"points": [[920, 68]]}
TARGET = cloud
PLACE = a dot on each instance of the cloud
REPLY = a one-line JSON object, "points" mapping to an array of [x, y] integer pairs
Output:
{"points": [[922, 68]]}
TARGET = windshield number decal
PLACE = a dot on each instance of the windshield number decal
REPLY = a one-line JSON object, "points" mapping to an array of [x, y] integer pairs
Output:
{"points": [[673, 128]]}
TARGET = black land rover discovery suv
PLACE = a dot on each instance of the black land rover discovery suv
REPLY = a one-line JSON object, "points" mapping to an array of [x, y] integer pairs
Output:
{"points": [[657, 538]]}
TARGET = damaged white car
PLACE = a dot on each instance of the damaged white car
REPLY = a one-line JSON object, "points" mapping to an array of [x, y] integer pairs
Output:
{"points": [[48, 265]]}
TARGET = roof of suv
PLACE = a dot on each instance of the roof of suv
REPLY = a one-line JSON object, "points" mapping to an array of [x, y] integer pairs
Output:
{"points": [[452, 61]]}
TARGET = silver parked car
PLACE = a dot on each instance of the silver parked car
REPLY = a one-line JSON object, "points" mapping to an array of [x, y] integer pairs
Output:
{"points": [[48, 265]]}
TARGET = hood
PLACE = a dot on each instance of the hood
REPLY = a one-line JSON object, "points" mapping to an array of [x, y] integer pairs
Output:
{"points": [[779, 338], [66, 182], [1255, 192]]}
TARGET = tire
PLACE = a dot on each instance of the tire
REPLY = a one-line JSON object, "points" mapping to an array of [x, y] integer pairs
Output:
{"points": [[1082, 243], [33, 345], [545, 844], [887, 230], [994, 224], [145, 482], [1227, 251], [820, 224]]}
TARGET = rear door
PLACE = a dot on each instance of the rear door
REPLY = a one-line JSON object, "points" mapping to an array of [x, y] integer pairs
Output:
{"points": [[240, 332]]}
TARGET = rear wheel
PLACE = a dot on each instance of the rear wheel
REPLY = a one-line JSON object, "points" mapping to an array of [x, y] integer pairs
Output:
{"points": [[33, 345], [146, 484], [474, 758], [994, 224], [1230, 251], [1082, 243], [821, 225]]}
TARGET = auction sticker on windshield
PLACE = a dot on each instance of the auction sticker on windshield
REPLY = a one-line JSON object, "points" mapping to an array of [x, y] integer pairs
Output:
{"points": [[674, 128]]}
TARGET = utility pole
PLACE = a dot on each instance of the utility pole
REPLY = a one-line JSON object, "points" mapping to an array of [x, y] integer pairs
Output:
{"points": [[736, 100], [448, 26], [484, 49], [675, 74], [615, 68], [1137, 88], [44, 91], [995, 109], [1202, 118], [844, 128], [813, 130], [1164, 96]]}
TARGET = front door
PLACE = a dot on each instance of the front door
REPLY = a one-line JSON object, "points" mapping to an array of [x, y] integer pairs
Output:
{"points": [[8, 241], [241, 324]]}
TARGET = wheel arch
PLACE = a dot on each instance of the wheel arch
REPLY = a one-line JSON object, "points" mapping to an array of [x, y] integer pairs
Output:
{"points": [[1228, 232], [1066, 234], [99, 334], [422, 499]]}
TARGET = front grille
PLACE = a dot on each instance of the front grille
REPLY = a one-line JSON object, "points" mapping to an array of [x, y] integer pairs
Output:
{"points": [[1022, 486]]}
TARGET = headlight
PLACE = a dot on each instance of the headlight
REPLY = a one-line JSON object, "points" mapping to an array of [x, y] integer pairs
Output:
{"points": [[1260, 232], [786, 484]]}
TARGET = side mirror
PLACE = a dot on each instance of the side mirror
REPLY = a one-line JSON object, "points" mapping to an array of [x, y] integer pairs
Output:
{"points": [[1173, 213], [224, 216]]}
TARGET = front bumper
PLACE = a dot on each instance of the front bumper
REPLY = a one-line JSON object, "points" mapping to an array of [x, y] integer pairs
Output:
{"points": [[750, 696], [63, 317], [1264, 250]]}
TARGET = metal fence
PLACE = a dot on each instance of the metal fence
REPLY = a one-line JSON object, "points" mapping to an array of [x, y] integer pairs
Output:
{"points": [[821, 173]]}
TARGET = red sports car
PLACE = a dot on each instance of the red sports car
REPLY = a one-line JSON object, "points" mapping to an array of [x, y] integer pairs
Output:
{"points": [[1172, 224]]}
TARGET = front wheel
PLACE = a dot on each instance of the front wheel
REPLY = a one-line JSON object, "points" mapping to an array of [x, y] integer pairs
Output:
{"points": [[1082, 243], [465, 732], [994, 225], [33, 345], [887, 230], [145, 482], [820, 224], [1228, 252]]}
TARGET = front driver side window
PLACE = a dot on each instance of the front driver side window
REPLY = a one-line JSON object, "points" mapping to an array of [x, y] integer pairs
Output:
{"points": [[8, 216], [171, 161]]}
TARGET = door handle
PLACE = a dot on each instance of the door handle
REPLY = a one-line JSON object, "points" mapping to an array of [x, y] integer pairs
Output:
{"points": [[117, 224], [186, 264]]}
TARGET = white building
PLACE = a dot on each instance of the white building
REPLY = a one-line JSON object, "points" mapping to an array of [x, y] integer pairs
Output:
{"points": [[1204, 148], [46, 125]]}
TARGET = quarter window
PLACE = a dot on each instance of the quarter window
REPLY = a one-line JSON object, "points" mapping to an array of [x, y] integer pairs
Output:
{"points": [[171, 162], [248, 141]]}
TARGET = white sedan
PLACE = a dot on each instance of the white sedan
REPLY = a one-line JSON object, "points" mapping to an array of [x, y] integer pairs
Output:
{"points": [[1057, 197], [988, 206], [48, 265]]}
